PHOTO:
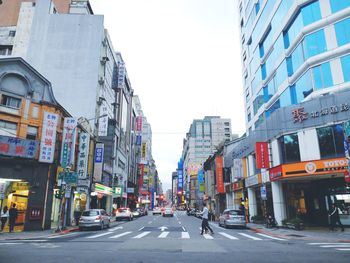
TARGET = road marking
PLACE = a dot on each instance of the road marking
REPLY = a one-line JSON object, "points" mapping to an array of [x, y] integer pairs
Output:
{"points": [[33, 240], [99, 235], [179, 223], [141, 228], [163, 235], [183, 229], [343, 249], [207, 236], [185, 235], [324, 243], [227, 235], [120, 235], [276, 238], [249, 236], [142, 235], [338, 245], [9, 243], [115, 228], [64, 235]]}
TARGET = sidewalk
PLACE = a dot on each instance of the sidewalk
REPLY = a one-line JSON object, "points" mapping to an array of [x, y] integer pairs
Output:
{"points": [[40, 234], [309, 233]]}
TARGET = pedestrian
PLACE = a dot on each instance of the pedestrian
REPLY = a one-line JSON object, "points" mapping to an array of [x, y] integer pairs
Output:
{"points": [[205, 223], [4, 217], [13, 214], [334, 217]]}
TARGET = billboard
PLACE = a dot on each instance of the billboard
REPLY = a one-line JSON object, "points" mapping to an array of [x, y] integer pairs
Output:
{"points": [[262, 155], [48, 137], [219, 174]]}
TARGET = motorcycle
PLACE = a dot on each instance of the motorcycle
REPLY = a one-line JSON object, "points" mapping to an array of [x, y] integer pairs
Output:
{"points": [[270, 222]]}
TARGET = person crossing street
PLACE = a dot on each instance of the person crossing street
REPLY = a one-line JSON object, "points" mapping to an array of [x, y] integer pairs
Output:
{"points": [[205, 223]]}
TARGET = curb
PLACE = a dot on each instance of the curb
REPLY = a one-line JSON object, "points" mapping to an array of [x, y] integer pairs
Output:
{"points": [[266, 232]]}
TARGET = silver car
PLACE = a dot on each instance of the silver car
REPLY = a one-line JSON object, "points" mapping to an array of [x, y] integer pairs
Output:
{"points": [[231, 217], [94, 218]]}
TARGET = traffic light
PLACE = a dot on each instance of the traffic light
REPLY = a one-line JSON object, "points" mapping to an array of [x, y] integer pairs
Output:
{"points": [[59, 194]]}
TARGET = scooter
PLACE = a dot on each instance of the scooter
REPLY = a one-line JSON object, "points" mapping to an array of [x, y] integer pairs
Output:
{"points": [[270, 221]]}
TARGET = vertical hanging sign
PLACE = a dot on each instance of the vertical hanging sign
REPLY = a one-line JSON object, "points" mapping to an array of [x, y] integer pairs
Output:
{"points": [[139, 123], [68, 142], [121, 74], [262, 155], [98, 162], [48, 137], [219, 174], [84, 142], [103, 121]]}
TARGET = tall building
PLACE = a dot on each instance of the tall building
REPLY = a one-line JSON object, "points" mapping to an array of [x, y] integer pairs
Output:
{"points": [[201, 141], [296, 73]]}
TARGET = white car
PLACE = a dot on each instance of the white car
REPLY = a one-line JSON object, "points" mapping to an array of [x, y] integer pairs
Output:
{"points": [[156, 211], [124, 213], [168, 211]]}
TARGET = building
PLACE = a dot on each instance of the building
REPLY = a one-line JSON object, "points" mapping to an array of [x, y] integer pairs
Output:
{"points": [[296, 59], [202, 140]]}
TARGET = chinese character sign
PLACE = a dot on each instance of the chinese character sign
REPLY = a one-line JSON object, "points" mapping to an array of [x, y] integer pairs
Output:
{"points": [[139, 123], [121, 74], [48, 137], [219, 174], [98, 162], [299, 115], [180, 179], [12, 146], [103, 121], [84, 142], [143, 151], [68, 142], [262, 155]]}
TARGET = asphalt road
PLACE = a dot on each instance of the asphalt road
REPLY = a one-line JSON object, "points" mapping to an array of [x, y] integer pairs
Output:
{"points": [[172, 239]]}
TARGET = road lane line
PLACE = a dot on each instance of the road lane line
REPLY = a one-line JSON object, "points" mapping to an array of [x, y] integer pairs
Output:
{"points": [[185, 235], [163, 235], [11, 243], [120, 235], [207, 236], [249, 236], [183, 229], [142, 234], [343, 249], [141, 228], [115, 228], [339, 245], [315, 244], [99, 235], [228, 236], [64, 235], [33, 240], [276, 238]]}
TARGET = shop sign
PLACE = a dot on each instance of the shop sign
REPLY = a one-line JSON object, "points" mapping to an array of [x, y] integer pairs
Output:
{"points": [[263, 193], [143, 151], [299, 114], [237, 185], [180, 179], [82, 189], [201, 181], [83, 182], [48, 137], [275, 173], [138, 140], [139, 123], [68, 191], [12, 146], [237, 168], [103, 120], [219, 174], [107, 168], [252, 180], [262, 155], [265, 178], [83, 155], [68, 142], [130, 190], [98, 162], [35, 213], [118, 191], [2, 188], [121, 74], [68, 177], [100, 188]]}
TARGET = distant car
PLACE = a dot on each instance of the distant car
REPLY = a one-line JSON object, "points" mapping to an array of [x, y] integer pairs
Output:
{"points": [[124, 213], [136, 213], [231, 217], [94, 218], [168, 211], [157, 211]]}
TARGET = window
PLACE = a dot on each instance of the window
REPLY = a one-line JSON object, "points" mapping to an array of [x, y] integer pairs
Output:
{"points": [[32, 133], [10, 102], [303, 87], [8, 128], [259, 101], [5, 50], [322, 76], [330, 140], [345, 62], [286, 98], [12, 33], [289, 148], [314, 44], [259, 121], [337, 5], [274, 107], [342, 32]]}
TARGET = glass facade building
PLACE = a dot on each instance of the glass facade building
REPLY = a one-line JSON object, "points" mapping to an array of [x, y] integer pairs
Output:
{"points": [[292, 51]]}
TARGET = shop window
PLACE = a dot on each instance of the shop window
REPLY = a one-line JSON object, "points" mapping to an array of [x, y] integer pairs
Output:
{"points": [[289, 148], [10, 102], [330, 140]]}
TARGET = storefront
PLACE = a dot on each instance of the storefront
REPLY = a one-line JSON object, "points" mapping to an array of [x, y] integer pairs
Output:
{"points": [[311, 187], [101, 198]]}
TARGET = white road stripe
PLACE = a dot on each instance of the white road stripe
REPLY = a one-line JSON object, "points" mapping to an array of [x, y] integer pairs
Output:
{"points": [[9, 243], [163, 235], [120, 235], [339, 245], [227, 235], [249, 236], [276, 238], [142, 234], [99, 235], [314, 244], [185, 235], [206, 236], [343, 249], [115, 228], [141, 228], [183, 229], [58, 236], [33, 240]]}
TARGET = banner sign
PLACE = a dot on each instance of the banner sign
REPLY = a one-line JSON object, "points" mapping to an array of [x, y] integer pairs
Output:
{"points": [[12, 146], [139, 123], [70, 178], [121, 74], [219, 174], [48, 137], [68, 142], [100, 188], [201, 181], [180, 180], [263, 192], [98, 162], [143, 151], [237, 168], [83, 155], [138, 140], [262, 155], [118, 191], [103, 121], [130, 190]]}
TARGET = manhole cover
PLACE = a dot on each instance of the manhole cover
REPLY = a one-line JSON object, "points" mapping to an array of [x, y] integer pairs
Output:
{"points": [[294, 235]]}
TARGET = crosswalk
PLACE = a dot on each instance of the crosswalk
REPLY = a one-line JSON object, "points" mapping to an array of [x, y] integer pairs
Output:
{"points": [[339, 246]]}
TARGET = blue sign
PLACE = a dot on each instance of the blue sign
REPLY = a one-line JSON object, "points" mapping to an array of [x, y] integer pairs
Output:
{"points": [[200, 181], [263, 192], [138, 140], [98, 155], [13, 146], [180, 179]]}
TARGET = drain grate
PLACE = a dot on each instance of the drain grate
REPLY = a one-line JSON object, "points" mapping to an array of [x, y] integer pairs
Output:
{"points": [[294, 235]]}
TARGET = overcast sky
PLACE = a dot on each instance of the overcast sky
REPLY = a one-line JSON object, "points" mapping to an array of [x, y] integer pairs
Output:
{"points": [[183, 60]]}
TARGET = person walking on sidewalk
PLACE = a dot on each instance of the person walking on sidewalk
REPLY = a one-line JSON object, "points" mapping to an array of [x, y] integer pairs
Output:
{"points": [[205, 223], [4, 217], [334, 217], [13, 214]]}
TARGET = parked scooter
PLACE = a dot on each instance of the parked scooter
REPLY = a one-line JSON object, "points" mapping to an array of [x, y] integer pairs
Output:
{"points": [[270, 221]]}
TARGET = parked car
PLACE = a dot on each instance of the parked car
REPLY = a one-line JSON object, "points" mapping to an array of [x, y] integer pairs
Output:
{"points": [[157, 210], [136, 213], [168, 211], [94, 218], [124, 213], [231, 217]]}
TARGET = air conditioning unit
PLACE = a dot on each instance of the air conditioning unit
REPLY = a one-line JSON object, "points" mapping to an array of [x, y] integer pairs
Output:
{"points": [[101, 80]]}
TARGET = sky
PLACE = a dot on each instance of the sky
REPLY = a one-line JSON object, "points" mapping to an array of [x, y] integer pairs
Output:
{"points": [[183, 61]]}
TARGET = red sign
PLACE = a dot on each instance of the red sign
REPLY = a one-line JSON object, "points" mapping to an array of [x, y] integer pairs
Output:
{"points": [[347, 176], [142, 172], [139, 123], [262, 155], [275, 173], [219, 174]]}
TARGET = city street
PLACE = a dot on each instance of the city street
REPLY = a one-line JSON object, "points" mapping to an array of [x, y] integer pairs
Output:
{"points": [[172, 239]]}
